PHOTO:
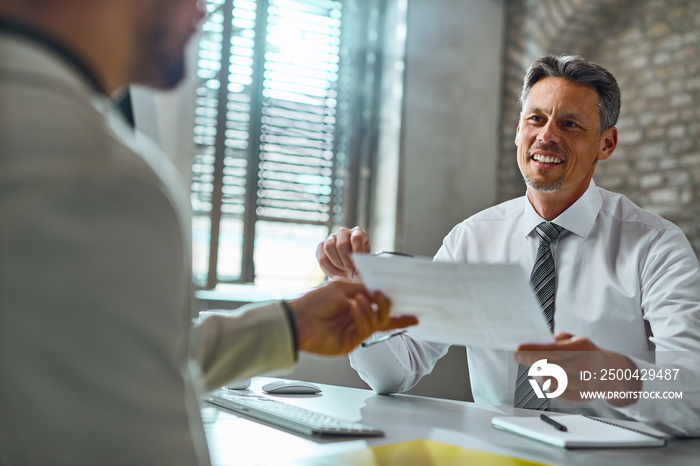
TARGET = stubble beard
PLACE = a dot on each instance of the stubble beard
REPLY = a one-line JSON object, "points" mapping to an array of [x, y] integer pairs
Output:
{"points": [[161, 73], [172, 75], [155, 66], [544, 186]]}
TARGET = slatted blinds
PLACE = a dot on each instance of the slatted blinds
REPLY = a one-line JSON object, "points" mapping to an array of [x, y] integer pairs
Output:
{"points": [[276, 110]]}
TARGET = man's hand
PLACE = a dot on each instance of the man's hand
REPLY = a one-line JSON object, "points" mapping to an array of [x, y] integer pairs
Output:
{"points": [[335, 318], [576, 354], [333, 255]]}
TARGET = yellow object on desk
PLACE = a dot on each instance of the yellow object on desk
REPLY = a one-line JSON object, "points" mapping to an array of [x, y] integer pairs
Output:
{"points": [[418, 453]]}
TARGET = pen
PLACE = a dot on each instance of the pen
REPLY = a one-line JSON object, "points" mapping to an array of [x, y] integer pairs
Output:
{"points": [[365, 344], [553, 423]]}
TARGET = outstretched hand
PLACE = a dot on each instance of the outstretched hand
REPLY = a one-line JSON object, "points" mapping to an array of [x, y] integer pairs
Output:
{"points": [[334, 254], [576, 355], [335, 318]]}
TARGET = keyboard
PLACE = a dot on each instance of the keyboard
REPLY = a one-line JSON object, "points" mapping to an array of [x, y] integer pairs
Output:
{"points": [[288, 417]]}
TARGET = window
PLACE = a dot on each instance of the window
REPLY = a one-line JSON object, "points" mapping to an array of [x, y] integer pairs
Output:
{"points": [[285, 124]]}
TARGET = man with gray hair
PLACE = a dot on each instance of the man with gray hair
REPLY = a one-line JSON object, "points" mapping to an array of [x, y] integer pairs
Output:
{"points": [[619, 286]]}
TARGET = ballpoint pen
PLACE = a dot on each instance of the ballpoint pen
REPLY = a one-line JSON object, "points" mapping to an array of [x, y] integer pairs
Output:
{"points": [[553, 423], [365, 344]]}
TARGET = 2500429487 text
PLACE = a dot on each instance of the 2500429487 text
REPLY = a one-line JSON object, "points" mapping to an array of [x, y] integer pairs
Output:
{"points": [[629, 374]]}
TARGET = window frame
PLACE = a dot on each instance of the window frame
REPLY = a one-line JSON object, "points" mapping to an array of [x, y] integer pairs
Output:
{"points": [[360, 139]]}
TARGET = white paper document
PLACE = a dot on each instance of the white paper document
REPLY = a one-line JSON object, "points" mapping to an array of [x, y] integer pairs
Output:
{"points": [[486, 305]]}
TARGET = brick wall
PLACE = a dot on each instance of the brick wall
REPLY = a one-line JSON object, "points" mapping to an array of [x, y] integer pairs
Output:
{"points": [[653, 49]]}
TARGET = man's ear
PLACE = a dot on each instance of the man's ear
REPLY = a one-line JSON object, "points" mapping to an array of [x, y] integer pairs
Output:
{"points": [[608, 143], [517, 134]]}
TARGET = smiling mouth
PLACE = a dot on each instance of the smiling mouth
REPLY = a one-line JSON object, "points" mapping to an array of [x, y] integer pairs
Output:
{"points": [[546, 159]]}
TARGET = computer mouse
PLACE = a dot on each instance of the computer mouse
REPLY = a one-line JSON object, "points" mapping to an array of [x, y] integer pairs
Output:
{"points": [[290, 387], [240, 385]]}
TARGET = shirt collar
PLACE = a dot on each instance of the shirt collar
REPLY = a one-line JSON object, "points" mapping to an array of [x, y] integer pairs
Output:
{"points": [[60, 49], [578, 219]]}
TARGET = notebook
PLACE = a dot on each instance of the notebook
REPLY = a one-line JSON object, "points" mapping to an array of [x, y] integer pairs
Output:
{"points": [[582, 432]]}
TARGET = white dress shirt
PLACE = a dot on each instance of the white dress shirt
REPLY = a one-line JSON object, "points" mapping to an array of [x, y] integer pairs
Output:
{"points": [[99, 363], [626, 278]]}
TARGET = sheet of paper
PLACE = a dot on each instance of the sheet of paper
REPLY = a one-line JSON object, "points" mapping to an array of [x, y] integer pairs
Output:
{"points": [[486, 305]]}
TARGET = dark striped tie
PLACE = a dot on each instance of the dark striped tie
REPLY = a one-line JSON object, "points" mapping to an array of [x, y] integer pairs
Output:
{"points": [[542, 281]]}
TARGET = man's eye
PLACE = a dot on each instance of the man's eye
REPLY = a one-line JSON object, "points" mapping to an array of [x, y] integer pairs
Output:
{"points": [[571, 124]]}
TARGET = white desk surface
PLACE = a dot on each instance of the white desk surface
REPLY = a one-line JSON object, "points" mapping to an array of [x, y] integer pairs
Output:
{"points": [[235, 440]]}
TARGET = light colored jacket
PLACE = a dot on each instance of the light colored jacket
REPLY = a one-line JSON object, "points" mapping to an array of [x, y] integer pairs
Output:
{"points": [[99, 362]]}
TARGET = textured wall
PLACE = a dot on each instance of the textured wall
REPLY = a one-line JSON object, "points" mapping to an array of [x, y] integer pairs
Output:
{"points": [[449, 122], [653, 48]]}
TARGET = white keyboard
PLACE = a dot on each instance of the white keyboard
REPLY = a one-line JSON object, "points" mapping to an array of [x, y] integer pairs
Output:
{"points": [[286, 416]]}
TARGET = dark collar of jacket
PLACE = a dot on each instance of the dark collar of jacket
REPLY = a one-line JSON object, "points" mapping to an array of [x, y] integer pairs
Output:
{"points": [[27, 32]]}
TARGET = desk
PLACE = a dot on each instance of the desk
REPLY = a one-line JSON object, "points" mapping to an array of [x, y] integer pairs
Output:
{"points": [[235, 440]]}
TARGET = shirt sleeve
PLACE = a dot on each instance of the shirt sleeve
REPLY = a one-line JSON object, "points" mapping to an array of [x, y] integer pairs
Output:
{"points": [[670, 394], [250, 341], [398, 364]]}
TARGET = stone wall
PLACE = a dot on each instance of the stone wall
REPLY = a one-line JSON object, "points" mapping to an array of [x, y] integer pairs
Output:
{"points": [[653, 49]]}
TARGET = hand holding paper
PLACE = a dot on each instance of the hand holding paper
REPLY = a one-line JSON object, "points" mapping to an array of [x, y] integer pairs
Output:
{"points": [[487, 305]]}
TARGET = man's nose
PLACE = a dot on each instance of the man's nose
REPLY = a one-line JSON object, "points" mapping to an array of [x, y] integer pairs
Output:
{"points": [[549, 133]]}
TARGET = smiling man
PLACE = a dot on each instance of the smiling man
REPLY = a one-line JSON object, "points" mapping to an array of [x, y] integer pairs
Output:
{"points": [[560, 141], [619, 286]]}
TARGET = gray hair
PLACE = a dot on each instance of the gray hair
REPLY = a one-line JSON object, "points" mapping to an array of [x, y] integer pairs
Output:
{"points": [[581, 71]]}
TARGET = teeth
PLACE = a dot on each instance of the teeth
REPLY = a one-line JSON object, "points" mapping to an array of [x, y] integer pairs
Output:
{"points": [[546, 159]]}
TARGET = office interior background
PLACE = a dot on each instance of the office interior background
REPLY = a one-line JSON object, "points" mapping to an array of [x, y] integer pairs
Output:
{"points": [[412, 133]]}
